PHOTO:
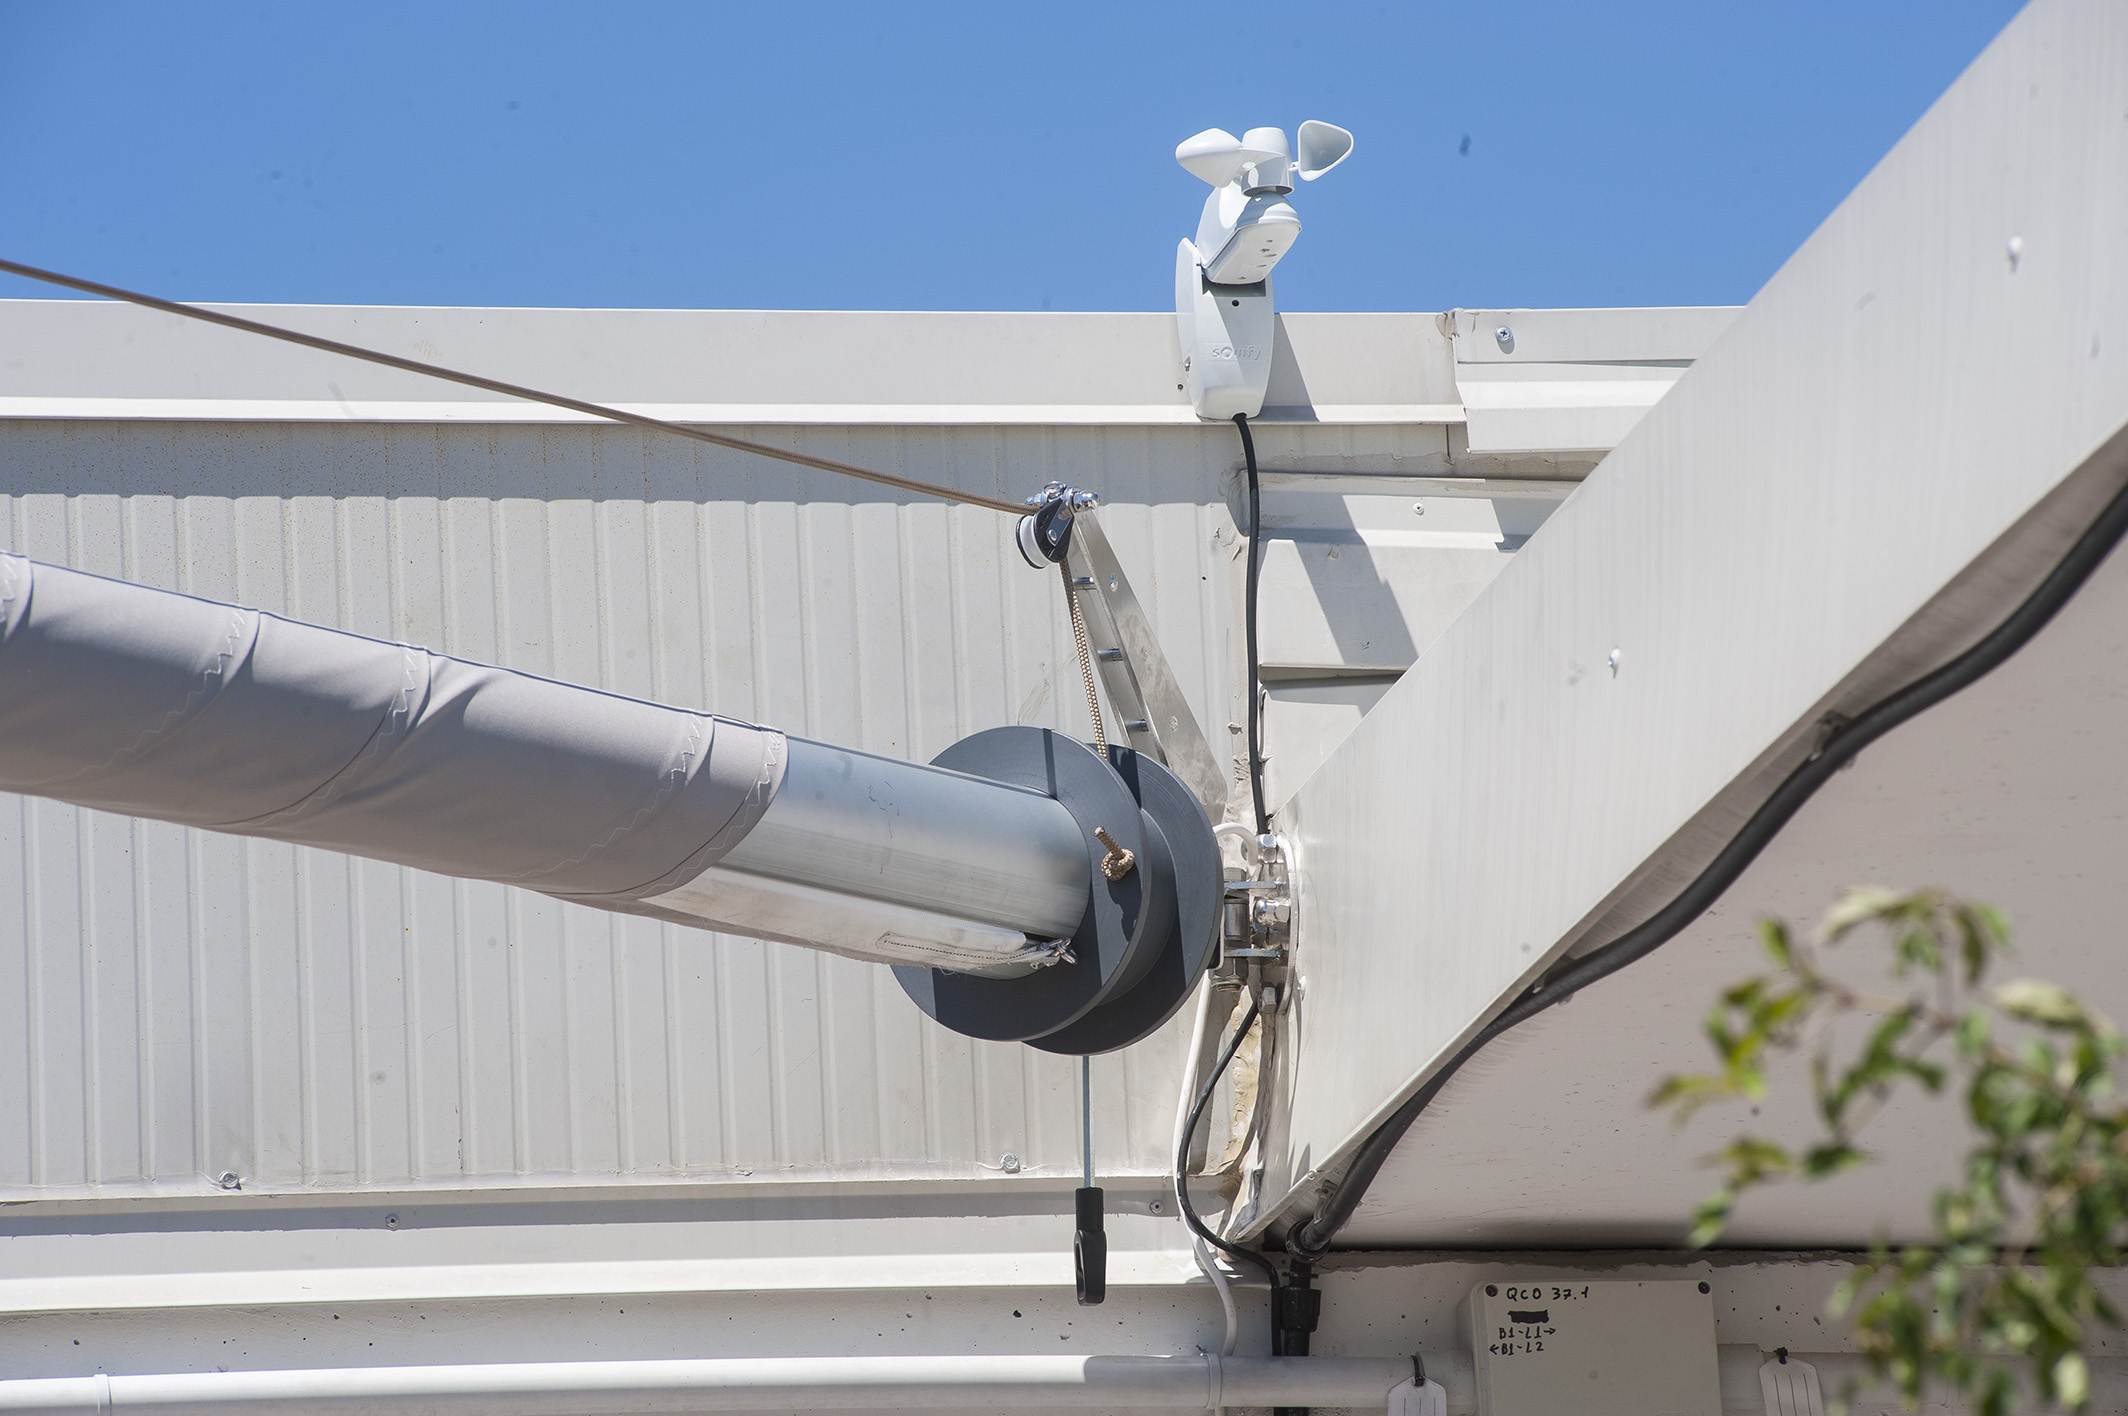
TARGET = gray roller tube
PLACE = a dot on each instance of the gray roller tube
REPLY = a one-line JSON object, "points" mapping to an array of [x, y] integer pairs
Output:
{"points": [[863, 825], [140, 701]]}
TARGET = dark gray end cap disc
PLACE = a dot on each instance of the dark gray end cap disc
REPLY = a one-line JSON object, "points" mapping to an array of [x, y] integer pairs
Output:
{"points": [[1137, 1010], [1117, 919]]}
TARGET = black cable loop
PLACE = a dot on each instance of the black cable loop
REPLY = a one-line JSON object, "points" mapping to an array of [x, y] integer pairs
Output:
{"points": [[1182, 1172], [1312, 1240]]}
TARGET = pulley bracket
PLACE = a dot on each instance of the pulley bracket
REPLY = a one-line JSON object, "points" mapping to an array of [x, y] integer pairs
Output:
{"points": [[1135, 673]]}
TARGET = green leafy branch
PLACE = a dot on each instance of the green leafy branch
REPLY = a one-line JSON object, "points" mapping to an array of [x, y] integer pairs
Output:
{"points": [[2042, 1199]]}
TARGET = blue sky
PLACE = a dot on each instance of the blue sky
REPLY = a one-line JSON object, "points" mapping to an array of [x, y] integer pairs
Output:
{"points": [[908, 156]]}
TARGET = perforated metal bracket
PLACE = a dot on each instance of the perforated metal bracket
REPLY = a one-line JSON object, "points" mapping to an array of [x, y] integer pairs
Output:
{"points": [[1156, 718]]}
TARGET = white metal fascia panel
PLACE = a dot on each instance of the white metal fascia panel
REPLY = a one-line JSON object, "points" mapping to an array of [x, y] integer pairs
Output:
{"points": [[242, 1263], [1567, 380], [1360, 574], [82, 360], [1905, 391], [958, 415], [1652, 335], [191, 1003], [1557, 407]]}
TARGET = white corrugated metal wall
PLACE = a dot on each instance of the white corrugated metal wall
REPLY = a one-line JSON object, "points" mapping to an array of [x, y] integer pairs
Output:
{"points": [[182, 1004]]}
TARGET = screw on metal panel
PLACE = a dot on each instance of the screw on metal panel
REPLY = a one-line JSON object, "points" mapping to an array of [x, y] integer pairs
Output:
{"points": [[391, 1221], [1156, 1208], [1491, 1291], [1009, 1163], [1613, 659], [1418, 508], [2015, 251], [1119, 860], [1705, 1289], [1505, 337], [229, 1180]]}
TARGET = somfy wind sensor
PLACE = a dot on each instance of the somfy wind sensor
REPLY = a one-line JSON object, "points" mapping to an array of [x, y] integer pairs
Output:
{"points": [[1223, 309]]}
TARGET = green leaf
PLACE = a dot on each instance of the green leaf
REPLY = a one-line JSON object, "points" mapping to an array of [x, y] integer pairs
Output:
{"points": [[1974, 1028], [1830, 1158], [1709, 1219], [2072, 1381], [1687, 1093], [1773, 934], [1919, 947], [1859, 906], [1743, 995], [1752, 1159], [2037, 1001], [1982, 930]]}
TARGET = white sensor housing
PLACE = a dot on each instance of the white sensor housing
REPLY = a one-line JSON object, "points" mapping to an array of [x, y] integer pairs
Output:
{"points": [[1223, 309]]}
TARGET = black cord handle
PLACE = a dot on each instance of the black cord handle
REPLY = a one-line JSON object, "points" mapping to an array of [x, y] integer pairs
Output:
{"points": [[1089, 1247]]}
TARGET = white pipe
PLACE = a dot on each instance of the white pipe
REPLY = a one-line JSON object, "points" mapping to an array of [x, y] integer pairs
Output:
{"points": [[1191, 1066], [728, 1384]]}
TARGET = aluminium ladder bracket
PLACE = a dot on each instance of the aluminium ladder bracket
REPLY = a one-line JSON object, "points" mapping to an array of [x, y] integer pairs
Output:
{"points": [[1157, 720]]}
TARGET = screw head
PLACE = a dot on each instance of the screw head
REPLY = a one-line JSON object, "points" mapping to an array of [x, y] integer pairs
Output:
{"points": [[1504, 335], [1704, 1288], [391, 1221], [1492, 1290], [1156, 1208], [1009, 1163], [229, 1180], [1418, 508]]}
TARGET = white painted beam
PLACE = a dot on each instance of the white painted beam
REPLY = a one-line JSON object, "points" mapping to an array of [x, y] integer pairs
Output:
{"points": [[86, 359], [1865, 470]]}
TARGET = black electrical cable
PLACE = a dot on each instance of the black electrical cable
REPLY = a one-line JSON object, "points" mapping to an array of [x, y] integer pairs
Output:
{"points": [[1283, 1335], [1255, 718], [1182, 1173], [530, 395], [1312, 1240]]}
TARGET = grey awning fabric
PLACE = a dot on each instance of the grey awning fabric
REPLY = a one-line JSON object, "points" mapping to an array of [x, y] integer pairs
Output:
{"points": [[140, 701]]}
